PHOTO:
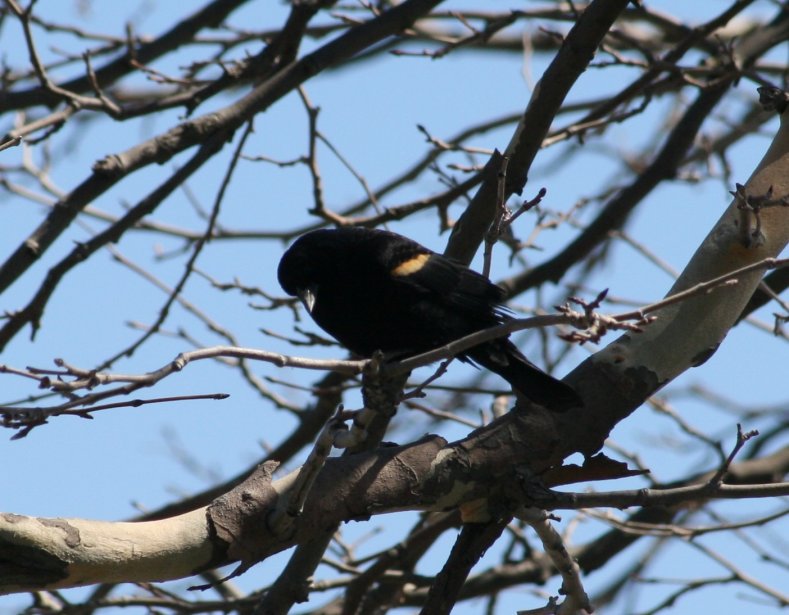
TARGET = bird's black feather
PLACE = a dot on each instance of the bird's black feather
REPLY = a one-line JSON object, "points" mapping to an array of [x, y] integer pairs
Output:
{"points": [[376, 290]]}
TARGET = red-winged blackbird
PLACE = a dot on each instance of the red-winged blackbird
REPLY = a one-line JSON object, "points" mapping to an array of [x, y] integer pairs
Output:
{"points": [[376, 290]]}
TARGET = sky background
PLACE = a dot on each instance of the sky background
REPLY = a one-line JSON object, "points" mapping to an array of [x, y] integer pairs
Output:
{"points": [[128, 460]]}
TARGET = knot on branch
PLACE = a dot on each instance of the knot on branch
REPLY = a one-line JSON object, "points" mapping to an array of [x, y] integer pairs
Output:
{"points": [[773, 99], [754, 204], [239, 518]]}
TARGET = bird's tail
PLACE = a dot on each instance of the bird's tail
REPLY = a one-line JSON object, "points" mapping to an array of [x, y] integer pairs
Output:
{"points": [[503, 358]]}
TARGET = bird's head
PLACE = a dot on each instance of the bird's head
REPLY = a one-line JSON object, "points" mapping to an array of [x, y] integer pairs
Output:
{"points": [[333, 261], [311, 262], [299, 274]]}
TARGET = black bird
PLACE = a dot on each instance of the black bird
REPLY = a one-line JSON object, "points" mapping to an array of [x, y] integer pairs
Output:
{"points": [[376, 290]]}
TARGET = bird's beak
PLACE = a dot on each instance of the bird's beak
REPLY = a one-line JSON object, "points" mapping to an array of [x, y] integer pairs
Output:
{"points": [[307, 296]]}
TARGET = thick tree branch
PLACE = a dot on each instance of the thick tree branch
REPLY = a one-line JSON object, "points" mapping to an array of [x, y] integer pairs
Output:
{"points": [[429, 474], [620, 377]]}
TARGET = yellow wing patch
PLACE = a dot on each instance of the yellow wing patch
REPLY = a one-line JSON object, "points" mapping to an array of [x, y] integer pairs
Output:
{"points": [[411, 266]]}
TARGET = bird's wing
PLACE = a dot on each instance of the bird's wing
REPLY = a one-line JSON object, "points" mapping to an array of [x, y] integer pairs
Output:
{"points": [[456, 285]]}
